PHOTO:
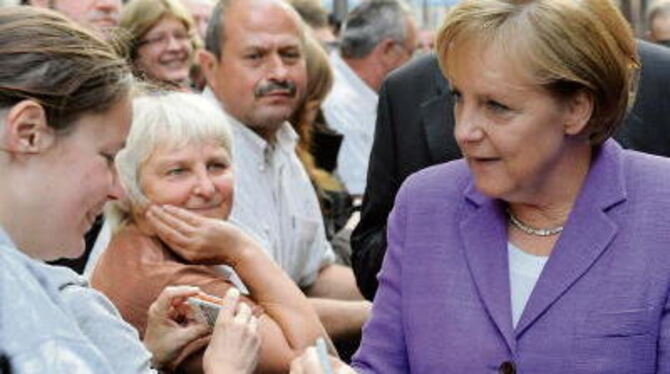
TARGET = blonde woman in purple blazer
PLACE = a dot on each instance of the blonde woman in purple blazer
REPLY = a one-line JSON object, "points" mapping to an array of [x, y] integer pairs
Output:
{"points": [[547, 248]]}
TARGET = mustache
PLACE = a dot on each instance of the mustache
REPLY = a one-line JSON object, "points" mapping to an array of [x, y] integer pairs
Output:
{"points": [[276, 86]]}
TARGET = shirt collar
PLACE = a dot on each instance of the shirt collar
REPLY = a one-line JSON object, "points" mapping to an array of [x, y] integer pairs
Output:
{"points": [[5, 239], [287, 138]]}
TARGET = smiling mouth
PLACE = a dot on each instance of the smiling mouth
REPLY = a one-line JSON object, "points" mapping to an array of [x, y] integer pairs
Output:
{"points": [[174, 64], [203, 208]]}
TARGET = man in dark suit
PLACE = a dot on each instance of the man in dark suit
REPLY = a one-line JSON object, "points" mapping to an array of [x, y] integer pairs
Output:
{"points": [[414, 130]]}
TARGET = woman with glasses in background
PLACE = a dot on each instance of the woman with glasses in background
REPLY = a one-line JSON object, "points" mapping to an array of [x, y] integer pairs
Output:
{"points": [[162, 40]]}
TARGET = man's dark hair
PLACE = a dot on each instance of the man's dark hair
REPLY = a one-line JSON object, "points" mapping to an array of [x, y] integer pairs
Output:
{"points": [[214, 36]]}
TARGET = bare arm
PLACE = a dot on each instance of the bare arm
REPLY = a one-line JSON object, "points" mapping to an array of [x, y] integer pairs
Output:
{"points": [[342, 319], [338, 303], [335, 282], [290, 324]]}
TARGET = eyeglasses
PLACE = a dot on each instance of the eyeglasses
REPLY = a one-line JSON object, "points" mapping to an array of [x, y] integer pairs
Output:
{"points": [[163, 40]]}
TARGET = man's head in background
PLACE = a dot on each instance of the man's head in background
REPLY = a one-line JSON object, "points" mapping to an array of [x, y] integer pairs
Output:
{"points": [[201, 11], [377, 37], [425, 41], [658, 22], [254, 61], [98, 15], [316, 17]]}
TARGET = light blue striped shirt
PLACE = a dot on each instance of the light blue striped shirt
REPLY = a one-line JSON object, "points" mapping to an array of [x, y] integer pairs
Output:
{"points": [[52, 322]]}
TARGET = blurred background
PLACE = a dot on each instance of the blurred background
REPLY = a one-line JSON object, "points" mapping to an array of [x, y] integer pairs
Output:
{"points": [[429, 13]]}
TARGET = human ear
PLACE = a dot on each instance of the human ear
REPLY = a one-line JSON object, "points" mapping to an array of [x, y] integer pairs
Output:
{"points": [[208, 63], [579, 111], [386, 51], [26, 130]]}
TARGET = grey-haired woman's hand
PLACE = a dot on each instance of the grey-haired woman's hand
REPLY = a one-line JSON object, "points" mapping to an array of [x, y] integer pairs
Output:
{"points": [[199, 239]]}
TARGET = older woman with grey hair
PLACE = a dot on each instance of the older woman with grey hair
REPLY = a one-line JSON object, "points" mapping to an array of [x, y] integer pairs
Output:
{"points": [[170, 229]]}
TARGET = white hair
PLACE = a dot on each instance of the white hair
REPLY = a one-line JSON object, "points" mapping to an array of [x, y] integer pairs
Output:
{"points": [[370, 23], [165, 120]]}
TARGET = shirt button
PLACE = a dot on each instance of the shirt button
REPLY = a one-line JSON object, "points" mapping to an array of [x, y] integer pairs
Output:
{"points": [[507, 367]]}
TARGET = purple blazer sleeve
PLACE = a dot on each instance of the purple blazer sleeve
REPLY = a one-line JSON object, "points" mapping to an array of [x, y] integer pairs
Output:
{"points": [[383, 342]]}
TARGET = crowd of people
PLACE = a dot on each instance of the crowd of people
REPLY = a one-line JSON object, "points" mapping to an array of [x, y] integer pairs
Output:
{"points": [[485, 197]]}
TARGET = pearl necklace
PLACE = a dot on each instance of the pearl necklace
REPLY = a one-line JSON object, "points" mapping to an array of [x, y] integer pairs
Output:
{"points": [[530, 230]]}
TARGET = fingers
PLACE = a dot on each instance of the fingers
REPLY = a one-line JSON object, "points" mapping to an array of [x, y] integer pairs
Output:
{"points": [[169, 221], [166, 232], [230, 301], [243, 314], [184, 215], [171, 296], [194, 331], [254, 322]]}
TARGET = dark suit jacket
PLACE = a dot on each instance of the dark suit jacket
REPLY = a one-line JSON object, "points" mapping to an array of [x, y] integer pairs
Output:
{"points": [[415, 129], [647, 127]]}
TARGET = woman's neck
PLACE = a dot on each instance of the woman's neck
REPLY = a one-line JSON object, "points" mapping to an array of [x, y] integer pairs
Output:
{"points": [[551, 202]]}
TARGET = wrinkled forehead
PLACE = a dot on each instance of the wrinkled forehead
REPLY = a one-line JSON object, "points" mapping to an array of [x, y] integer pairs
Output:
{"points": [[171, 150]]}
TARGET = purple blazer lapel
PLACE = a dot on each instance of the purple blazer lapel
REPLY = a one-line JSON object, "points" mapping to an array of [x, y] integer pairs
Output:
{"points": [[587, 234], [484, 234]]}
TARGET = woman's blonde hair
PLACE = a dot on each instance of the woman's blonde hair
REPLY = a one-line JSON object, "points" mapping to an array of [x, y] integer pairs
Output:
{"points": [[164, 120], [564, 45]]}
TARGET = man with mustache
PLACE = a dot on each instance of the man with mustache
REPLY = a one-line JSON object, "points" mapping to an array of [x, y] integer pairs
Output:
{"points": [[98, 15], [255, 70]]}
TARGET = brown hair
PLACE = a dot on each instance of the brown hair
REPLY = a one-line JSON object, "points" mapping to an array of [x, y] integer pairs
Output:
{"points": [[565, 45], [311, 12], [62, 66], [319, 83]]}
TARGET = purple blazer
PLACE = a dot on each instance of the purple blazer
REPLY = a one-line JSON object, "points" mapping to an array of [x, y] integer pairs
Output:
{"points": [[600, 305]]}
